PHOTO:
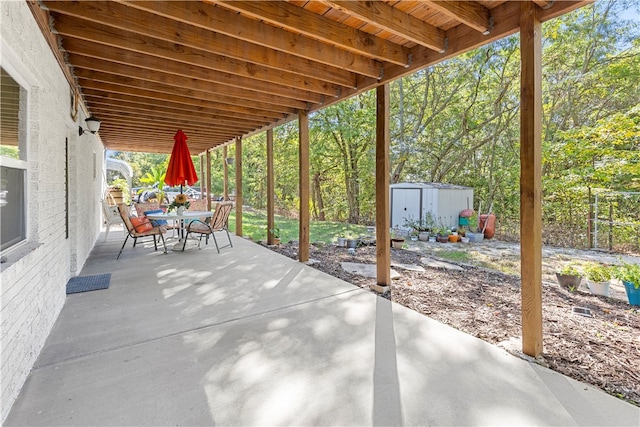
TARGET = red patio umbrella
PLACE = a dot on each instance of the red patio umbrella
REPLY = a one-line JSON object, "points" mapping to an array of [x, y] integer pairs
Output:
{"points": [[180, 170]]}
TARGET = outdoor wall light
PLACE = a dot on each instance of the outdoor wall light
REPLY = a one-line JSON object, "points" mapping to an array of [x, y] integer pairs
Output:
{"points": [[93, 126]]}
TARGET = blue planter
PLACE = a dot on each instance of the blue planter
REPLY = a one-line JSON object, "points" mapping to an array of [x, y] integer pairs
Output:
{"points": [[633, 293]]}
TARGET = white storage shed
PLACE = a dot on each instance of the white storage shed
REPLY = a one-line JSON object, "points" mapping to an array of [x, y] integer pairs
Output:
{"points": [[412, 200]]}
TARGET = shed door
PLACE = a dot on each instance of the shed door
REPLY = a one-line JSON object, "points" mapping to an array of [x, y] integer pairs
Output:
{"points": [[405, 204]]}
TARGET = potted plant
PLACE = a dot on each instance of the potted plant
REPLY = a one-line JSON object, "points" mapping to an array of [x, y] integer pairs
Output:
{"points": [[598, 278], [397, 240], [473, 234], [155, 183], [420, 228], [118, 191], [342, 240], [442, 234], [275, 232], [569, 277], [352, 241], [630, 276]]}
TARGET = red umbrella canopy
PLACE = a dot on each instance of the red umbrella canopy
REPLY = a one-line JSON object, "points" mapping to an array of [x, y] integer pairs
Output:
{"points": [[180, 170]]}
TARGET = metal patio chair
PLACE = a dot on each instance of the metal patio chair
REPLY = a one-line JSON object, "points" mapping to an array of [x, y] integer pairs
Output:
{"points": [[137, 227], [218, 222]]}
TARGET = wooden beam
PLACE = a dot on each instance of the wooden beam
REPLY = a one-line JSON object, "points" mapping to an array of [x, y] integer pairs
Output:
{"points": [[238, 163], [270, 188], [383, 221], [530, 178], [42, 19], [544, 4], [395, 21], [203, 177], [103, 71], [298, 20], [258, 35], [471, 14], [135, 87], [162, 112], [209, 181], [182, 105], [154, 26], [225, 174], [118, 61], [461, 39], [303, 161], [149, 119], [97, 39]]}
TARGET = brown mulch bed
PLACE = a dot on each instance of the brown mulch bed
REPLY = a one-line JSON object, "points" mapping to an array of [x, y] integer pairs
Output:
{"points": [[602, 350]]}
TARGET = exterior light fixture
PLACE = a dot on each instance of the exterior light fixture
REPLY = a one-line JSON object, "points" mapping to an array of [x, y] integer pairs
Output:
{"points": [[93, 126]]}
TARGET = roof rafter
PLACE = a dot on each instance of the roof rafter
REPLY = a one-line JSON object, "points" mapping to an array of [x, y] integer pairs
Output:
{"points": [[257, 34], [394, 21], [470, 13], [134, 64], [296, 19], [100, 41], [154, 26]]}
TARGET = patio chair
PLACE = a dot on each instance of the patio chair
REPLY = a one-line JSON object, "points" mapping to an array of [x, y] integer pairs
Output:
{"points": [[143, 208], [218, 222], [139, 227], [111, 216]]}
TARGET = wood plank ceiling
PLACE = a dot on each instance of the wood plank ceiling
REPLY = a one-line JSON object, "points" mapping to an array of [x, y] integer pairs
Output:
{"points": [[218, 69]]}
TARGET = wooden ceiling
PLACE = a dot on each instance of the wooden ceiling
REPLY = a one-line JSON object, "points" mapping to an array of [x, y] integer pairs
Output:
{"points": [[220, 69]]}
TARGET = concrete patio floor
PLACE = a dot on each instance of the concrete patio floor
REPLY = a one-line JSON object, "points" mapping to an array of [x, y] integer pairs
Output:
{"points": [[249, 337]]}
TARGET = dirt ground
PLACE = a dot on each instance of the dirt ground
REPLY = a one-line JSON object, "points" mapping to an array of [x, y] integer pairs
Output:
{"points": [[602, 350]]}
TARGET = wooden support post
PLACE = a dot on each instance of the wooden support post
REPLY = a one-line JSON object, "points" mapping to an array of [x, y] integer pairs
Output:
{"points": [[303, 159], [209, 180], [238, 163], [225, 175], [270, 187], [530, 178], [203, 178], [383, 221]]}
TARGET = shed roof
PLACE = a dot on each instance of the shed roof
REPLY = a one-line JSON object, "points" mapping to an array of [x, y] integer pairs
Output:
{"points": [[220, 69], [422, 185]]}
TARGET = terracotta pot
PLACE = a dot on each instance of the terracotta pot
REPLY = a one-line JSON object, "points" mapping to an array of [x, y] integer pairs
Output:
{"points": [[454, 238]]}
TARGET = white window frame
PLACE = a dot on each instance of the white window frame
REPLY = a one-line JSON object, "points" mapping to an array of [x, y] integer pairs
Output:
{"points": [[11, 63]]}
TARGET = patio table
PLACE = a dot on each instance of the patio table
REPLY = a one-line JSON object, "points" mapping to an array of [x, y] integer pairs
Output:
{"points": [[174, 216]]}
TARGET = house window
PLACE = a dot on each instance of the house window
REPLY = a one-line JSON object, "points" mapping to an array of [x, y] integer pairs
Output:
{"points": [[13, 165]]}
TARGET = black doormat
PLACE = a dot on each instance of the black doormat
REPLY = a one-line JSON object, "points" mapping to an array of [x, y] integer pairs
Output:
{"points": [[88, 283]]}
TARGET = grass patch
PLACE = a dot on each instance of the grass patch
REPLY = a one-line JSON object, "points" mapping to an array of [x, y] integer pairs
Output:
{"points": [[254, 226], [459, 256]]}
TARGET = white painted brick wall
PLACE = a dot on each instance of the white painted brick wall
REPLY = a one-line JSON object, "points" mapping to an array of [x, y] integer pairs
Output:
{"points": [[32, 282]]}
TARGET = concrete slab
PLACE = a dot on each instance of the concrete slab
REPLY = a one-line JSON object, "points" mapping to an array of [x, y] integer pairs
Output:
{"points": [[408, 267], [432, 263], [366, 270], [208, 339]]}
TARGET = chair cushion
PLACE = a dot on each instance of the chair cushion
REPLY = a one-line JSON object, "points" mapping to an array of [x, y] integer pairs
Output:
{"points": [[156, 222], [141, 224]]}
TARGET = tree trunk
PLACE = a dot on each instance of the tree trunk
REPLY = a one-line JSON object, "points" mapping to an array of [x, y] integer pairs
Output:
{"points": [[317, 195]]}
